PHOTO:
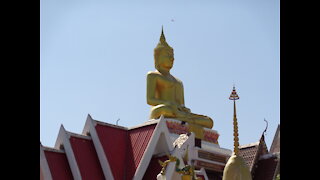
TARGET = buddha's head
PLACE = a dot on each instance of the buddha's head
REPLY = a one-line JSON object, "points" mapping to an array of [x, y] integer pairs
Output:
{"points": [[163, 54]]}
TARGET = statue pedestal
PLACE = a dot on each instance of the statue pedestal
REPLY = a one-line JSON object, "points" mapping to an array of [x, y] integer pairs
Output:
{"points": [[176, 127], [208, 156]]}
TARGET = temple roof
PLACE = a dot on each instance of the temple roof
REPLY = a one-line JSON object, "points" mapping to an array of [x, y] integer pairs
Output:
{"points": [[263, 165], [56, 164], [102, 151], [251, 152], [267, 167], [248, 153], [107, 151], [275, 146], [124, 148]]}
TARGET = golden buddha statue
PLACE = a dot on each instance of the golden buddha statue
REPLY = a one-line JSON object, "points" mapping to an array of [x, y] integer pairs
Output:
{"points": [[165, 92]]}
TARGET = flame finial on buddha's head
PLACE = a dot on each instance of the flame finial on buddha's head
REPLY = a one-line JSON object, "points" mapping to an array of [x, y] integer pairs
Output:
{"points": [[162, 42]]}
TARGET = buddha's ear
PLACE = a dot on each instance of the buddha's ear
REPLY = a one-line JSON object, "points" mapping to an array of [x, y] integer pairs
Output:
{"points": [[157, 51]]}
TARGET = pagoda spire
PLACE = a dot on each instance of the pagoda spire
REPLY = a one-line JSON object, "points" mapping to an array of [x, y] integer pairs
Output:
{"points": [[234, 96], [236, 168]]}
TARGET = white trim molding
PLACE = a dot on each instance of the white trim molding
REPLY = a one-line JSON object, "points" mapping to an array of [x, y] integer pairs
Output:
{"points": [[90, 127], [44, 165], [161, 128], [63, 139]]}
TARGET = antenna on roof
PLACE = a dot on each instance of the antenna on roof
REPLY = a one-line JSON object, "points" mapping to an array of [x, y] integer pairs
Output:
{"points": [[264, 132], [117, 121]]}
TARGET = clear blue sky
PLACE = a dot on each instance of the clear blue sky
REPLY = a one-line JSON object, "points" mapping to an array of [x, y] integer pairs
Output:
{"points": [[94, 56]]}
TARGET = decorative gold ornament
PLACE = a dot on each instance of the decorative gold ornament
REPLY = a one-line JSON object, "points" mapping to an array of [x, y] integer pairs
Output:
{"points": [[165, 92], [236, 168], [187, 172], [165, 163], [234, 96]]}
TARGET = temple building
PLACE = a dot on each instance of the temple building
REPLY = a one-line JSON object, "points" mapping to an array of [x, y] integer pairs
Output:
{"points": [[264, 164], [173, 144], [107, 151]]}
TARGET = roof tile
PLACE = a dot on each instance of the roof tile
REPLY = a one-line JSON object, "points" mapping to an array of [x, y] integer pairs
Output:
{"points": [[114, 143], [138, 141], [58, 165], [124, 148], [87, 159], [249, 154]]}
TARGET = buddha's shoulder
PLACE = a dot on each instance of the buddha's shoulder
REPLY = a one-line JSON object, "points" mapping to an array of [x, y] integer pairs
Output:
{"points": [[153, 74], [177, 79], [156, 74]]}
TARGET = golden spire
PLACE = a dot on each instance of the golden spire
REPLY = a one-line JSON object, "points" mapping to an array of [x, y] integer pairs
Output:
{"points": [[162, 37], [234, 96], [162, 42], [236, 168]]}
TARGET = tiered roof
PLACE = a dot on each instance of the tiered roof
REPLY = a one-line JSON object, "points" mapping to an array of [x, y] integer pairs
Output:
{"points": [[264, 165], [102, 151], [107, 151], [55, 164], [267, 167], [251, 152]]}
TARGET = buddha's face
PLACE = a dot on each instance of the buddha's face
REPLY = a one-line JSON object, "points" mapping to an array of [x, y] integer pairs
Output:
{"points": [[165, 59]]}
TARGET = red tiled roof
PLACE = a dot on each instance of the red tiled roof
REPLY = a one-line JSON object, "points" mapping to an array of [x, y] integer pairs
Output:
{"points": [[266, 169], [87, 159], [124, 148], [249, 154], [114, 143], [138, 141], [58, 165]]}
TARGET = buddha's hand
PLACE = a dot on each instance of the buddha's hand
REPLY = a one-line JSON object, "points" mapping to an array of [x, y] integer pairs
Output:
{"points": [[171, 104]]}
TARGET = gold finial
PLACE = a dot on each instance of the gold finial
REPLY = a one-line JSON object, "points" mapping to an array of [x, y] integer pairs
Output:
{"points": [[234, 96], [162, 42], [236, 168], [162, 37]]}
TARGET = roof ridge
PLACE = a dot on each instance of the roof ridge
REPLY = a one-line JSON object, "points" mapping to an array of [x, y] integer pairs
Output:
{"points": [[261, 144], [79, 135], [269, 155], [46, 148], [110, 125], [147, 123], [249, 145]]}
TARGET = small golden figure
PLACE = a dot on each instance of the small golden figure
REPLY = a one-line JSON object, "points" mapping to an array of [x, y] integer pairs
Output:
{"points": [[187, 171], [165, 92], [165, 163]]}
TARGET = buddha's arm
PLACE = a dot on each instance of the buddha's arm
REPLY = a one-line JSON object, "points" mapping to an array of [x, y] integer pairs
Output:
{"points": [[180, 98], [151, 90], [180, 94]]}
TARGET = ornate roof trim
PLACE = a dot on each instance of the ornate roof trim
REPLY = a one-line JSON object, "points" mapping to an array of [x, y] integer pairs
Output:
{"points": [[44, 164]]}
